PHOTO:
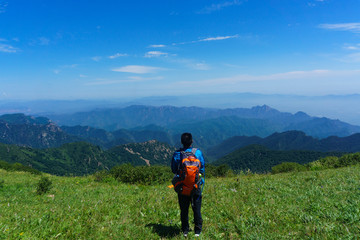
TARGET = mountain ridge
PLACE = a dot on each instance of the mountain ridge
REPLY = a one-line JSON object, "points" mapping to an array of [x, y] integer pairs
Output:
{"points": [[289, 141], [260, 159], [210, 127], [169, 116], [82, 158]]}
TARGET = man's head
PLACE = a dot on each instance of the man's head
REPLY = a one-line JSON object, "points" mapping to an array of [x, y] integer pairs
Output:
{"points": [[186, 140]]}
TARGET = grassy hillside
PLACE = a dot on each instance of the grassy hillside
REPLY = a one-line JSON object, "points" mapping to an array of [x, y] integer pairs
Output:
{"points": [[307, 205]]}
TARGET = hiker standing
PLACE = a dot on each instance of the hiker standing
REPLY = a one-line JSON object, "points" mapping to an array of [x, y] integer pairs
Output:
{"points": [[188, 195]]}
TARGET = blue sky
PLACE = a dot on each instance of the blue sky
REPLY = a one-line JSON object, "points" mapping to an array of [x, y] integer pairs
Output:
{"points": [[114, 49]]}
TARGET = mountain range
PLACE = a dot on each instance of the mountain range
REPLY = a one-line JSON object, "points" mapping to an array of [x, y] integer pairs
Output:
{"points": [[34, 132], [210, 127], [255, 138], [287, 141], [260, 121], [333, 106]]}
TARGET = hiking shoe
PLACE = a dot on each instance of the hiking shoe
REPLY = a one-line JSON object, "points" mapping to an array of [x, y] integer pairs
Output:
{"points": [[185, 234], [197, 234]]}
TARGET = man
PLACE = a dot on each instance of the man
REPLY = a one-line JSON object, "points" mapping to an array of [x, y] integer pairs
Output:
{"points": [[195, 198]]}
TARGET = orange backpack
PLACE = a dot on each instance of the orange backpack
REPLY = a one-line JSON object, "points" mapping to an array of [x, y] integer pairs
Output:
{"points": [[188, 180]]}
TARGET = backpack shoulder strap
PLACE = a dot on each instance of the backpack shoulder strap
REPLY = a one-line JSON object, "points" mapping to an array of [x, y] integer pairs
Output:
{"points": [[193, 150]]}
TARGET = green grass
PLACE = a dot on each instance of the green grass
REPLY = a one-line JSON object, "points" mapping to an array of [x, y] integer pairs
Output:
{"points": [[305, 205]]}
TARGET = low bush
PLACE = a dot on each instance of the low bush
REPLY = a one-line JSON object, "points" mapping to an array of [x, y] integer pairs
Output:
{"points": [[103, 176], [44, 185], [18, 167], [1, 183], [349, 159], [218, 171], [288, 167], [334, 162], [144, 175], [324, 163]]}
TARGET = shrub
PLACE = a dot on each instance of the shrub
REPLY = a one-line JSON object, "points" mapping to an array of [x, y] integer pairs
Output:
{"points": [[103, 176], [18, 167], [146, 175], [5, 165], [335, 162], [44, 185], [1, 183], [217, 171], [21, 168], [288, 167], [123, 173], [142, 174], [324, 163], [349, 159]]}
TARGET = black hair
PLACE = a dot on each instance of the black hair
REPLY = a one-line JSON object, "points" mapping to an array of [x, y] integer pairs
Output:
{"points": [[186, 140]]}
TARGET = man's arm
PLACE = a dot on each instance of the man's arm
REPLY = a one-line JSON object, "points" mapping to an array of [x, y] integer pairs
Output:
{"points": [[175, 162], [200, 156]]}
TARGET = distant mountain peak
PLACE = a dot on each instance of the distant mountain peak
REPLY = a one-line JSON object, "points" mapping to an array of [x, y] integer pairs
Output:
{"points": [[301, 114], [263, 108], [20, 118]]}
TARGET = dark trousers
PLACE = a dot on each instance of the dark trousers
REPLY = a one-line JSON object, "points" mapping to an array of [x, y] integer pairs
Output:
{"points": [[184, 202]]}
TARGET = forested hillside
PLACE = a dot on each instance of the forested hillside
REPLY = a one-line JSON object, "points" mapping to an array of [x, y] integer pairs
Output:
{"points": [[260, 159], [82, 158], [290, 140]]}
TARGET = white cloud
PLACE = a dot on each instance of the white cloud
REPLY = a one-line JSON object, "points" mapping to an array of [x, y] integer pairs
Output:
{"points": [[157, 46], [296, 82], [70, 66], [216, 7], [96, 58], [352, 47], [218, 38], [295, 75], [137, 69], [152, 54], [64, 67], [3, 7], [208, 39], [120, 81], [104, 82], [200, 66], [137, 78], [44, 41], [352, 27], [8, 48], [118, 55], [315, 3], [352, 58]]}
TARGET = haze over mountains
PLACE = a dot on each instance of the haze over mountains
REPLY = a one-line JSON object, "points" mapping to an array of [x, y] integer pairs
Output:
{"points": [[343, 107], [259, 121], [110, 127], [81, 143]]}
